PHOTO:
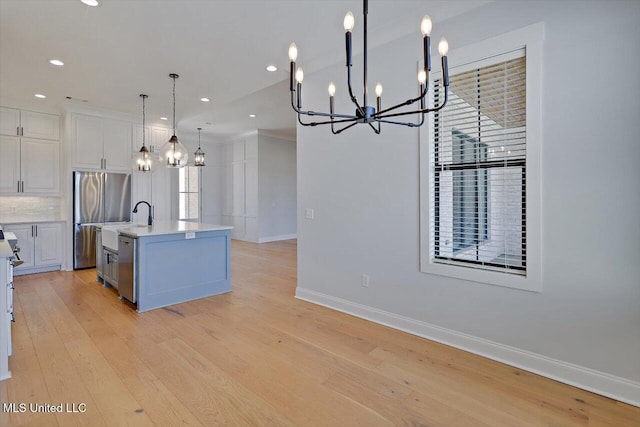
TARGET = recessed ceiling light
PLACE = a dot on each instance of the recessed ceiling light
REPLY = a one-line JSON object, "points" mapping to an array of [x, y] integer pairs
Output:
{"points": [[39, 95], [91, 2], [252, 115], [272, 68], [163, 118], [56, 62], [205, 99]]}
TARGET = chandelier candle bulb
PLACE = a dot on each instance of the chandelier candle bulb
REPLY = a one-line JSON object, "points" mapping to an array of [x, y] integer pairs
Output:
{"points": [[443, 47], [293, 52], [332, 89], [349, 22]]}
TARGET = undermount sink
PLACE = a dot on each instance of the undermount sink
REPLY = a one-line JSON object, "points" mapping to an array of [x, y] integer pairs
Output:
{"points": [[110, 238]]}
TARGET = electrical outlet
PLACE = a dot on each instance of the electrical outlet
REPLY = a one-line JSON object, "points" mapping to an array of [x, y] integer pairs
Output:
{"points": [[190, 235], [308, 213], [364, 280]]}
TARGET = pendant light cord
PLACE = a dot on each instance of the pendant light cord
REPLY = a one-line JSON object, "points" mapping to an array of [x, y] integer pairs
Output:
{"points": [[174, 104], [199, 129], [144, 135]]}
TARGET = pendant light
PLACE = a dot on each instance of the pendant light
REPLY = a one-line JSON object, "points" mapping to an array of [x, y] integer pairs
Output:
{"points": [[142, 159], [174, 153], [199, 154]]}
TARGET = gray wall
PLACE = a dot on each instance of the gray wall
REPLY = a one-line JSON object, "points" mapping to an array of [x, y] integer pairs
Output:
{"points": [[365, 192]]}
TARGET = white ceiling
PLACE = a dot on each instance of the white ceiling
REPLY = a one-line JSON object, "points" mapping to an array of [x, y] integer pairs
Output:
{"points": [[220, 49]]}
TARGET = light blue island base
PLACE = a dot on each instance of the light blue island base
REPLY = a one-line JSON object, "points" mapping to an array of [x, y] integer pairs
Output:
{"points": [[171, 268]]}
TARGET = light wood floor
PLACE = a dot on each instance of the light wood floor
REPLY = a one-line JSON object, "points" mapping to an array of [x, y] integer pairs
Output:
{"points": [[258, 356]]}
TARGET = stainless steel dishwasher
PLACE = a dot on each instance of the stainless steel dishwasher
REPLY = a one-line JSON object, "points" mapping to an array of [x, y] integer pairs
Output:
{"points": [[126, 267]]}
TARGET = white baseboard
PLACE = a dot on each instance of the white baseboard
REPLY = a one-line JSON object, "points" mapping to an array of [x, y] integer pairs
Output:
{"points": [[277, 238], [33, 270], [588, 379]]}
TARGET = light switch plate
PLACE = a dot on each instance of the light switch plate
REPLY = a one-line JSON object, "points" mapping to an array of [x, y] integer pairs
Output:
{"points": [[308, 213]]}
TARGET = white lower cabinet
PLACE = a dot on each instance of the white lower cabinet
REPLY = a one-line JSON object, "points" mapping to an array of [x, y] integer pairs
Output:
{"points": [[41, 246]]}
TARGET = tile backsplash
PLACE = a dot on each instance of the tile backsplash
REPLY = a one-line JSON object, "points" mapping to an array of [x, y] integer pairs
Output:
{"points": [[31, 208]]}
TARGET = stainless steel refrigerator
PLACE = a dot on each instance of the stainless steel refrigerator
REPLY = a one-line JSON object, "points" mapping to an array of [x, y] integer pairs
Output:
{"points": [[98, 198]]}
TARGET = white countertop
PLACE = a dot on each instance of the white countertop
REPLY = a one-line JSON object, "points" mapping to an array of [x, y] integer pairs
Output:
{"points": [[168, 227]]}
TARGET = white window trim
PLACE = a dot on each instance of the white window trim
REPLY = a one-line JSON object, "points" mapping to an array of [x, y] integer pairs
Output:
{"points": [[177, 191], [530, 38]]}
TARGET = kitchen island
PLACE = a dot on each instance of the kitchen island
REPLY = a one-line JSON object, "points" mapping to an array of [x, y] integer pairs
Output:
{"points": [[172, 262]]}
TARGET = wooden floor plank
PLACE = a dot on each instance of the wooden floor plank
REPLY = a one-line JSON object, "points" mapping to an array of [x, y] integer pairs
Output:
{"points": [[258, 356]]}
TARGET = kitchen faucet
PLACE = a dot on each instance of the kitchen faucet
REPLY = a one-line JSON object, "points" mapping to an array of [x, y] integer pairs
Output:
{"points": [[150, 219]]}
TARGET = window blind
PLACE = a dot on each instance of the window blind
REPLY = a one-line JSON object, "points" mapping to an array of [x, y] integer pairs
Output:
{"points": [[478, 157]]}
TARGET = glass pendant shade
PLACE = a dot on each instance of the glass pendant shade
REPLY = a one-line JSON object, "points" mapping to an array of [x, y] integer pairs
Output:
{"points": [[174, 154], [142, 160]]}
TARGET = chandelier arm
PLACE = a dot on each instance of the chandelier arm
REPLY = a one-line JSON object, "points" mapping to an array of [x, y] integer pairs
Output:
{"points": [[316, 113], [423, 111], [403, 104], [409, 124], [377, 131], [326, 122], [335, 132]]}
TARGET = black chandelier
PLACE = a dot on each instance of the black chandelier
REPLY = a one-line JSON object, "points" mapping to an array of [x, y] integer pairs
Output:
{"points": [[365, 113]]}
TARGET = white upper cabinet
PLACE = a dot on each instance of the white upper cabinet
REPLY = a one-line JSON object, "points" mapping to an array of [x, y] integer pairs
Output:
{"points": [[117, 145], [100, 143], [87, 141], [9, 164], [29, 152], [40, 165], [9, 121], [29, 124], [40, 125]]}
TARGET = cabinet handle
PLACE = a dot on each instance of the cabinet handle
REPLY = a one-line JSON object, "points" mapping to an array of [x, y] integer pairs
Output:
{"points": [[105, 163], [18, 186], [32, 231], [21, 131], [36, 230], [22, 186], [18, 131]]}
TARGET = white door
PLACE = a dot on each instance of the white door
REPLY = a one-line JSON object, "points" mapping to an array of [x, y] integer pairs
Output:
{"points": [[9, 164], [40, 160], [40, 125], [48, 247], [117, 145], [87, 141], [25, 233], [9, 121]]}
